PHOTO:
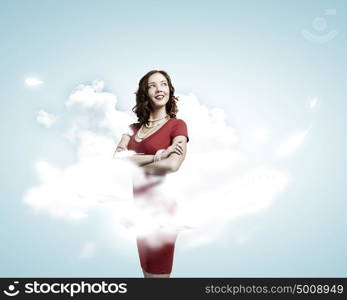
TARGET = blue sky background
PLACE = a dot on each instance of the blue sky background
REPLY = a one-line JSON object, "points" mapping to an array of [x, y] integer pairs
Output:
{"points": [[246, 57]]}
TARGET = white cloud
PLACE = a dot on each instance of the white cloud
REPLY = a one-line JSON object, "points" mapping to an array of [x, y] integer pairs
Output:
{"points": [[216, 185], [72, 192], [98, 110], [32, 81], [261, 134], [45, 118], [291, 144]]}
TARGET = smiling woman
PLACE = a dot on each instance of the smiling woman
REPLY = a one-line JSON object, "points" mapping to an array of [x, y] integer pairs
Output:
{"points": [[160, 139]]}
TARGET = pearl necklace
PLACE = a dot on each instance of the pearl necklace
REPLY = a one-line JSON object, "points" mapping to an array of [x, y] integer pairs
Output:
{"points": [[154, 125], [158, 119], [138, 135]]}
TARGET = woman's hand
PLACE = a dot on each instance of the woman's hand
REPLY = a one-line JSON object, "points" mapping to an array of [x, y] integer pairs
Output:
{"points": [[120, 148], [123, 143], [174, 148]]}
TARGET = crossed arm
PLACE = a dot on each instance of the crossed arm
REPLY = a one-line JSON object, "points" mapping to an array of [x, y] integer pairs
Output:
{"points": [[167, 165]]}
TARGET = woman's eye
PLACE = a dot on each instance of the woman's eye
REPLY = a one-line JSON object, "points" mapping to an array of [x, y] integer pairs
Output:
{"points": [[164, 83]]}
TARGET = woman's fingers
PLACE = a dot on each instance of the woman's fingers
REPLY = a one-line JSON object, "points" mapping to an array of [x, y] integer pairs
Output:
{"points": [[176, 148], [179, 150]]}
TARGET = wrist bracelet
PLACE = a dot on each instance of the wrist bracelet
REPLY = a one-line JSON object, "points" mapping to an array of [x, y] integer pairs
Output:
{"points": [[158, 155]]}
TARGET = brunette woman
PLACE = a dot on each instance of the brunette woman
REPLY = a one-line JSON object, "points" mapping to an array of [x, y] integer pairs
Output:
{"points": [[160, 139]]}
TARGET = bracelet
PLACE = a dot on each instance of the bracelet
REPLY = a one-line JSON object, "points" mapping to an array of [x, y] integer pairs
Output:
{"points": [[158, 155]]}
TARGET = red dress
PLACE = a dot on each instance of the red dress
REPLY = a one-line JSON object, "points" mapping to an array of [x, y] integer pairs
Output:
{"points": [[157, 260]]}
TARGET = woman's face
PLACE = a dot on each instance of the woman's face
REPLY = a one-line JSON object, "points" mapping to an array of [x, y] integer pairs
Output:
{"points": [[158, 90]]}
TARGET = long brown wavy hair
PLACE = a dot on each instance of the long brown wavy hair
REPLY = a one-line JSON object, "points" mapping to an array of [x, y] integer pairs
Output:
{"points": [[143, 106]]}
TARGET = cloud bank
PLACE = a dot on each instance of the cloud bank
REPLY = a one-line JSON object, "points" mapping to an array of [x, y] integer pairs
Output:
{"points": [[216, 185], [45, 118]]}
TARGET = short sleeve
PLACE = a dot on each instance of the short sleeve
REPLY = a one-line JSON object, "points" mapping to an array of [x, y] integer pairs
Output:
{"points": [[180, 128]]}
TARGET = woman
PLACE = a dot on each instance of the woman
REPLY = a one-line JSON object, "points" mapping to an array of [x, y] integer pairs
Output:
{"points": [[161, 141]]}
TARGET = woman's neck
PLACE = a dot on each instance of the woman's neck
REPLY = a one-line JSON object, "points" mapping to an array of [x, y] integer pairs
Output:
{"points": [[158, 114]]}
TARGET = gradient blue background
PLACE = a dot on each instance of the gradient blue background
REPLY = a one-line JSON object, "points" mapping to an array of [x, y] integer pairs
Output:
{"points": [[247, 57]]}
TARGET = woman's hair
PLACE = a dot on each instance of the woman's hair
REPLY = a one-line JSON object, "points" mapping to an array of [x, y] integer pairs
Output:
{"points": [[143, 106]]}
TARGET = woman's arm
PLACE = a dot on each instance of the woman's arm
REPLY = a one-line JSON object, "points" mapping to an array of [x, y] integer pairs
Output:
{"points": [[137, 159], [145, 160], [123, 143], [173, 156], [171, 163], [141, 159]]}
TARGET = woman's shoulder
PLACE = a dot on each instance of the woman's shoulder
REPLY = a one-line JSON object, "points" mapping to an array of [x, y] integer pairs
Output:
{"points": [[179, 127], [178, 122]]}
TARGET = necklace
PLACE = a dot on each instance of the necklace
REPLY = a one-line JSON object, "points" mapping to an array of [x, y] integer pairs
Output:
{"points": [[150, 126], [138, 134], [158, 119]]}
